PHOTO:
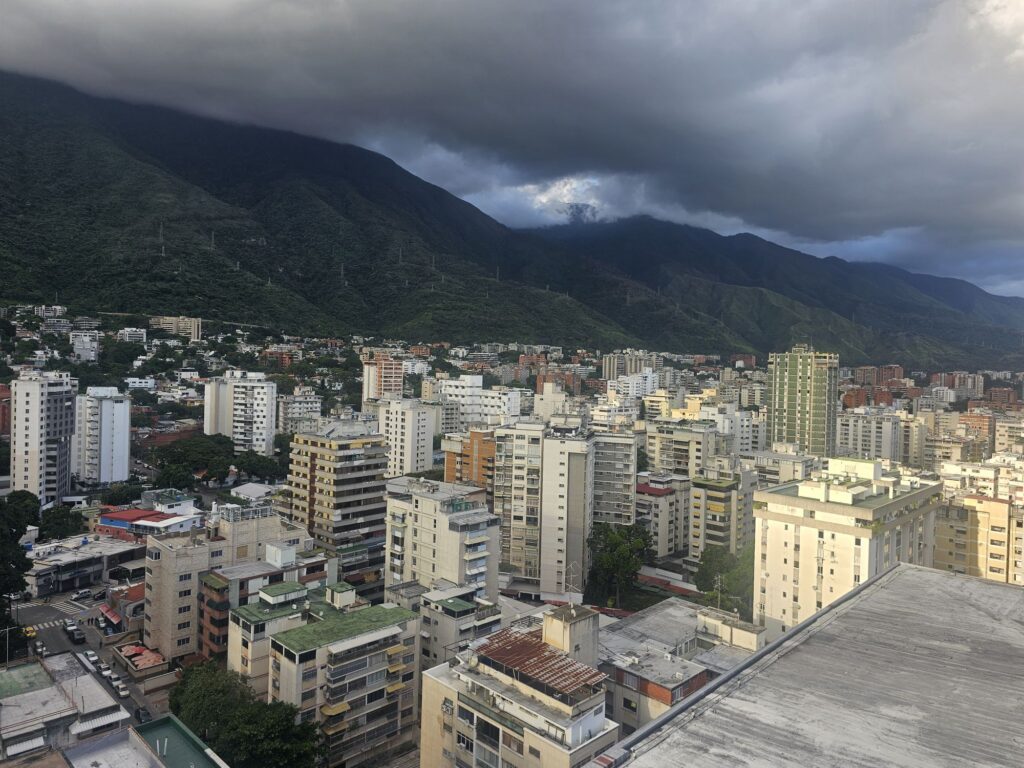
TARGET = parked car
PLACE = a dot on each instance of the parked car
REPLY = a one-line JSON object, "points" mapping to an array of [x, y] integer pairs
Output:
{"points": [[68, 623], [142, 715], [99, 594], [101, 622], [122, 690], [104, 669], [39, 646], [78, 637], [114, 679], [70, 628], [92, 658], [82, 594]]}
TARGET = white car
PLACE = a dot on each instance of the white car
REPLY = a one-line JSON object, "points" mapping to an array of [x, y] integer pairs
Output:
{"points": [[115, 679], [122, 690], [92, 658], [101, 622], [105, 670]]}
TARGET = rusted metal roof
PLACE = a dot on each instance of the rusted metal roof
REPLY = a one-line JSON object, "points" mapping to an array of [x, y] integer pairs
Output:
{"points": [[526, 653]]}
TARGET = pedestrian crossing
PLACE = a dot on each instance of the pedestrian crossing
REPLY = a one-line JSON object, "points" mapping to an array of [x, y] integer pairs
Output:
{"points": [[48, 624], [64, 606]]}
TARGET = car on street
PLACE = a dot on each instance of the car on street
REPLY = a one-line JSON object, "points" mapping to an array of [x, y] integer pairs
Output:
{"points": [[99, 594], [82, 594], [101, 622], [104, 669], [122, 690], [143, 715], [92, 658], [70, 628], [40, 647], [69, 623], [78, 637], [114, 679], [29, 632]]}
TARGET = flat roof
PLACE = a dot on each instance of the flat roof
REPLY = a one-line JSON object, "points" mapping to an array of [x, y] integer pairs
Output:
{"points": [[23, 678], [261, 611], [179, 747], [337, 626], [916, 668], [282, 588]]}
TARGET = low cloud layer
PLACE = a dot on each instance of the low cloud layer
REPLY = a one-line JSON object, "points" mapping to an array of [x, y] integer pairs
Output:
{"points": [[867, 129]]}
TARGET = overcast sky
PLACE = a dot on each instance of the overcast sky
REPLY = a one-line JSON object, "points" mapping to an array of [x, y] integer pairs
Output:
{"points": [[872, 129]]}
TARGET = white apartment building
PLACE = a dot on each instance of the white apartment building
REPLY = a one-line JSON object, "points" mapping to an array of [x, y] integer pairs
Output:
{"points": [[100, 452], [663, 508], [478, 405], [734, 423], [817, 539], [243, 406], [678, 446], [132, 335], [1009, 435], [549, 402], [294, 411], [614, 415], [441, 531], [408, 427], [615, 477], [85, 346], [42, 426], [633, 387], [869, 433]]}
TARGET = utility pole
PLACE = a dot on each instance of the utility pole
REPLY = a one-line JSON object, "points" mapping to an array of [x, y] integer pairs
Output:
{"points": [[718, 589]]}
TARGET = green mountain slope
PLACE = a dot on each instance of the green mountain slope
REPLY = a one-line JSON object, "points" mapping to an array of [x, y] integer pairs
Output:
{"points": [[111, 206]]}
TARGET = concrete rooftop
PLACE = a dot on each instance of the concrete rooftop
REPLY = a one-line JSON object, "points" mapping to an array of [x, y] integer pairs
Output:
{"points": [[917, 668]]}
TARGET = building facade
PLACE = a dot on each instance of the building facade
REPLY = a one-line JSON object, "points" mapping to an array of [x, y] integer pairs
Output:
{"points": [[803, 395], [42, 429], [243, 406], [100, 452], [408, 429]]}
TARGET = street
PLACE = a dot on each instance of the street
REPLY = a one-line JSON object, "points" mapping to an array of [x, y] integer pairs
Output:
{"points": [[48, 620]]}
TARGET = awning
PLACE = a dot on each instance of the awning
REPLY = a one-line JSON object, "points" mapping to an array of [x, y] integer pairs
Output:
{"points": [[98, 721], [25, 746], [396, 667], [395, 649], [395, 687], [110, 613], [335, 709]]}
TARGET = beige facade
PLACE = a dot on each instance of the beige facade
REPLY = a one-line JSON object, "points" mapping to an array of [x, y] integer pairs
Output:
{"points": [[615, 477], [1009, 435], [175, 562], [441, 531], [817, 539], [189, 327], [981, 536], [721, 508], [515, 700], [336, 483], [663, 508], [451, 617], [681, 447], [567, 512]]}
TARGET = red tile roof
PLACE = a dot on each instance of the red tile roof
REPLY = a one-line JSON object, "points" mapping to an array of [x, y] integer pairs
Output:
{"points": [[134, 515]]}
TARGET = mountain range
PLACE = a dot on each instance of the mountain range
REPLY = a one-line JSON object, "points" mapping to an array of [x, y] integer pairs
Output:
{"points": [[110, 206]]}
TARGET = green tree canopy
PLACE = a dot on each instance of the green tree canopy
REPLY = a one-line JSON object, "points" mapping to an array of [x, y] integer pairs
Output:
{"points": [[120, 494], [617, 553], [734, 574], [60, 523], [176, 476], [247, 733], [18, 510]]}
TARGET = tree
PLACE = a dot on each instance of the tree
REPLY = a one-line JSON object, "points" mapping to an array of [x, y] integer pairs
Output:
{"points": [[617, 553], [642, 462], [60, 523], [120, 494], [18, 510], [176, 476], [255, 465], [727, 579], [219, 707]]}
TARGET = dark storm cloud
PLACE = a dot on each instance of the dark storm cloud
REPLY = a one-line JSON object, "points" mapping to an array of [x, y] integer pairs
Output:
{"points": [[865, 128]]}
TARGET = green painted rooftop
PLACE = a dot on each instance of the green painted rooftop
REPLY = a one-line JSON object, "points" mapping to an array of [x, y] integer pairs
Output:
{"points": [[337, 626], [282, 588], [341, 586], [457, 604], [257, 612], [182, 748], [214, 580], [23, 678]]}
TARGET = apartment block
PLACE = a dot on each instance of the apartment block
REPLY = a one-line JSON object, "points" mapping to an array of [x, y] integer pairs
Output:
{"points": [[189, 327], [85, 346], [383, 376], [469, 459], [100, 448], [819, 538], [243, 406], [337, 493], [441, 531], [615, 455], [296, 409], [869, 433], [408, 429], [782, 464], [983, 537], [721, 507], [42, 428], [803, 397], [175, 563], [517, 699], [734, 424], [479, 406], [352, 671], [1009, 435], [132, 335], [682, 447], [663, 508]]}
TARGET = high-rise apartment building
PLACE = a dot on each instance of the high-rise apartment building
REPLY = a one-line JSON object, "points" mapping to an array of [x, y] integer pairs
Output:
{"points": [[243, 406], [817, 539], [383, 376], [100, 449], [721, 507], [469, 459], [981, 536], [297, 409], [479, 406], [42, 426], [680, 447], [408, 428], [869, 433], [85, 346], [615, 477], [337, 493], [803, 396], [441, 531], [663, 508]]}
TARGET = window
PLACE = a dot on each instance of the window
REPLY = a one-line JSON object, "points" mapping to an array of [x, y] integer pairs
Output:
{"points": [[463, 742], [309, 674], [185, 577], [629, 704], [534, 752], [629, 680], [185, 625], [309, 695], [466, 716], [184, 608], [511, 742], [185, 593], [184, 641], [217, 553]]}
